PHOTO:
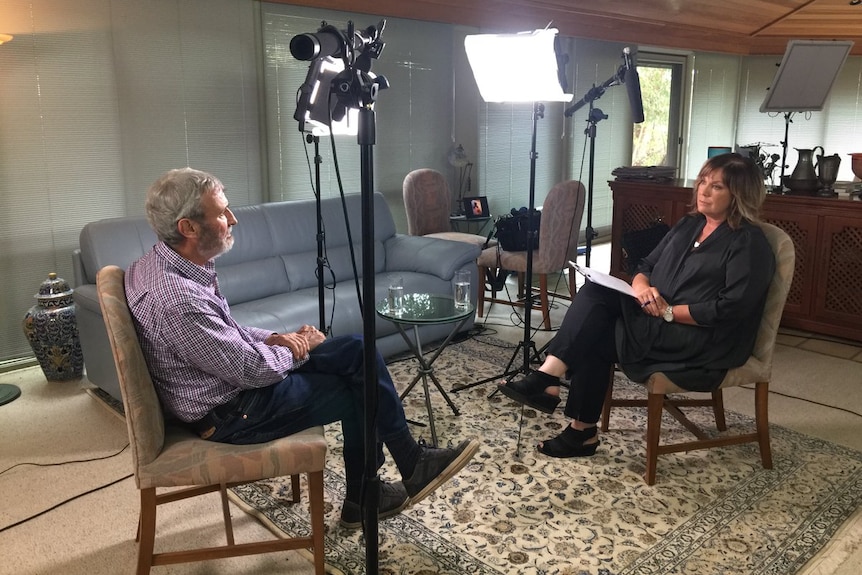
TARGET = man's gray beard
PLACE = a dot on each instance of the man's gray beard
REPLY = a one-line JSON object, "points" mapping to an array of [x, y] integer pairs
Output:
{"points": [[221, 250]]}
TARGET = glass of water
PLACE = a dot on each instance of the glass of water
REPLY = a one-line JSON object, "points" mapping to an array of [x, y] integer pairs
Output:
{"points": [[462, 289], [396, 294]]}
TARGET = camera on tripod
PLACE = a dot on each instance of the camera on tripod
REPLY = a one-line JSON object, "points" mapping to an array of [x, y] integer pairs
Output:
{"points": [[340, 67]]}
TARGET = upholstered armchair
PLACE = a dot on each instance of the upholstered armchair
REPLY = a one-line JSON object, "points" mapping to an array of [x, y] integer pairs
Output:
{"points": [[170, 456], [558, 244], [756, 371], [428, 204]]}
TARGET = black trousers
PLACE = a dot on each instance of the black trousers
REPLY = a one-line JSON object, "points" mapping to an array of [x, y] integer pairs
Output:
{"points": [[586, 344]]}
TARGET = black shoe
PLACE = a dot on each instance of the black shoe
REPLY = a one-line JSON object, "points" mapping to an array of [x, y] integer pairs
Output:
{"points": [[571, 443], [530, 391], [393, 498], [436, 466]]}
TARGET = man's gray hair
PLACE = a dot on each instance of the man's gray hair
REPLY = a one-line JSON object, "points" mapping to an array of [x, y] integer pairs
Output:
{"points": [[176, 195]]}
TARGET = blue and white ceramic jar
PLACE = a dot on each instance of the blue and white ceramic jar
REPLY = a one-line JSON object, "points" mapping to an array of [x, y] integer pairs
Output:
{"points": [[52, 330]]}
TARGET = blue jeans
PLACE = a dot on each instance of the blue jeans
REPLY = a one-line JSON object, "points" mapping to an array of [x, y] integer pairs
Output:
{"points": [[327, 388]]}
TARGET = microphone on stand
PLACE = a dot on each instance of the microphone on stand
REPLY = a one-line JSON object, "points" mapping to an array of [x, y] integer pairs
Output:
{"points": [[633, 86]]}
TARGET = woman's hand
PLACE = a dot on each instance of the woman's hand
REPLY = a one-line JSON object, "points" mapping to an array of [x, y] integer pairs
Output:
{"points": [[651, 301]]}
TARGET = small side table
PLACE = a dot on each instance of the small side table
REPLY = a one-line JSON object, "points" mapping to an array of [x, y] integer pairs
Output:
{"points": [[427, 309], [457, 221]]}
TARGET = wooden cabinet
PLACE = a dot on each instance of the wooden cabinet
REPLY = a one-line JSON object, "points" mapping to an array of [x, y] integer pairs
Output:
{"points": [[826, 294]]}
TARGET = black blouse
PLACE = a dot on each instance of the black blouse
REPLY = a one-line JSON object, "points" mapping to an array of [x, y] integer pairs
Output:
{"points": [[724, 282]]}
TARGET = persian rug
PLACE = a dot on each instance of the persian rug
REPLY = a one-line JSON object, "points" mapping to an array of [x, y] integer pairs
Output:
{"points": [[713, 511]]}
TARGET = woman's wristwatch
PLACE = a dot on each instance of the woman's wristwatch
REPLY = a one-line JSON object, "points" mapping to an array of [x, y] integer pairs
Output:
{"points": [[668, 314]]}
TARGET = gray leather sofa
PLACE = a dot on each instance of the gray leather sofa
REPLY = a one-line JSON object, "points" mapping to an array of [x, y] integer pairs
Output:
{"points": [[269, 277]]}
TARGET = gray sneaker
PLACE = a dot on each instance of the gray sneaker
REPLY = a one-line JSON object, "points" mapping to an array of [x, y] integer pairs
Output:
{"points": [[393, 498], [436, 466]]}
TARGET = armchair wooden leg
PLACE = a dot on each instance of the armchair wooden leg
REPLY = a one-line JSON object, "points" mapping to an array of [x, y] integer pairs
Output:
{"points": [[761, 414], [606, 407], [718, 410], [315, 498], [543, 299], [225, 509], [480, 301], [655, 405], [146, 530]]}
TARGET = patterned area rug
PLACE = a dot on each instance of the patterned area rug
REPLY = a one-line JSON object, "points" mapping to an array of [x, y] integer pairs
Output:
{"points": [[715, 511]]}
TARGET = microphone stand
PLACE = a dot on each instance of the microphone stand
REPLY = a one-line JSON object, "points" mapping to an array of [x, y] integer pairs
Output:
{"points": [[595, 116]]}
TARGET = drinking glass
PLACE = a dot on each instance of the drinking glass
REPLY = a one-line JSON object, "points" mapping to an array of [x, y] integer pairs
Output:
{"points": [[396, 294], [462, 289]]}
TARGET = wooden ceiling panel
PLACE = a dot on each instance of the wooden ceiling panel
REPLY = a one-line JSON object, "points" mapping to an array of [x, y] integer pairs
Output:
{"points": [[730, 26]]}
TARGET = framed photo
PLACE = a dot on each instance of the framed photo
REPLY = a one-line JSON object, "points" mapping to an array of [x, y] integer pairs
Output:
{"points": [[476, 207]]}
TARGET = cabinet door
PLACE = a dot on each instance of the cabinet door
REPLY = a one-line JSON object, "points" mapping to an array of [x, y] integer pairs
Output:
{"points": [[838, 284], [802, 229], [634, 211]]}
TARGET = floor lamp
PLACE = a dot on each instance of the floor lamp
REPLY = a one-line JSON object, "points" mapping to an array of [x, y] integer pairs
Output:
{"points": [[523, 67], [334, 96]]}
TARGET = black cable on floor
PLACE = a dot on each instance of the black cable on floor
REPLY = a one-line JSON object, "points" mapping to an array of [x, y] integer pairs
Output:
{"points": [[25, 520], [66, 462], [850, 411]]}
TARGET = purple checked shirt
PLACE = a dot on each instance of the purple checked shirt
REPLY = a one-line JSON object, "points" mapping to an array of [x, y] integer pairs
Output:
{"points": [[198, 356]]}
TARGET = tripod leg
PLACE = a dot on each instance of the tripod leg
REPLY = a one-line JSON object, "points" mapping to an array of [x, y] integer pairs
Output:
{"points": [[506, 373], [520, 429]]}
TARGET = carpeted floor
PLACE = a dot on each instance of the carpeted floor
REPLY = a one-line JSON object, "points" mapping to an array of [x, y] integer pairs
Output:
{"points": [[710, 512]]}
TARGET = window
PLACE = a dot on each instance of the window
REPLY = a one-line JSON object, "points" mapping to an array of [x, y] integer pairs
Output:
{"points": [[656, 141]]}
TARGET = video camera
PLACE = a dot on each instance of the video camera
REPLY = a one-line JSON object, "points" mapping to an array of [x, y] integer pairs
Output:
{"points": [[340, 66]]}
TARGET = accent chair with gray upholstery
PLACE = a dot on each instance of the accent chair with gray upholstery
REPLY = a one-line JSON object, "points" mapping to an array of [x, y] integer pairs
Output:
{"points": [[166, 456], [559, 231], [757, 370], [428, 204]]}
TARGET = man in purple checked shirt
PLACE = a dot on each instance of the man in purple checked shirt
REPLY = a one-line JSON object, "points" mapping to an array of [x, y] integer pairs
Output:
{"points": [[237, 384]]}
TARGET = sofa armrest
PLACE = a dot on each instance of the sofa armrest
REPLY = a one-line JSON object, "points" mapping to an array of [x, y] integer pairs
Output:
{"points": [[77, 268], [428, 255]]}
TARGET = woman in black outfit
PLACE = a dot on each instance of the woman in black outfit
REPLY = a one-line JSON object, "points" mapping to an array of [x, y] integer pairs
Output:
{"points": [[698, 300]]}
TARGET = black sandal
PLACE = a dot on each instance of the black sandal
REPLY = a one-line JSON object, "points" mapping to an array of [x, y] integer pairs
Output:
{"points": [[530, 391], [571, 443]]}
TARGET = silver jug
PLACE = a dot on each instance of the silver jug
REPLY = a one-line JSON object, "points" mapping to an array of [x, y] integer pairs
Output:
{"points": [[804, 180]]}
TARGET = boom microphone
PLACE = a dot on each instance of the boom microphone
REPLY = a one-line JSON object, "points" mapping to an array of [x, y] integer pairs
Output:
{"points": [[633, 86]]}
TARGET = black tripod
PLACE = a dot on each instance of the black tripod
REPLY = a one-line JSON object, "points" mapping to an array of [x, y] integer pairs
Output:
{"points": [[526, 345], [371, 481], [321, 234]]}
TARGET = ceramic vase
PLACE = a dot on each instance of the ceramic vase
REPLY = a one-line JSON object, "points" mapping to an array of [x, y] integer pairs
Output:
{"points": [[52, 330]]}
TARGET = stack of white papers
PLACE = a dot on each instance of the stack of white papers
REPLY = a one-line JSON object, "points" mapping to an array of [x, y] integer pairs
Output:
{"points": [[604, 279]]}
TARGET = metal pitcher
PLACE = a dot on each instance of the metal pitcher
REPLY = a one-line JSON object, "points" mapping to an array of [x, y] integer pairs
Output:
{"points": [[804, 180]]}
